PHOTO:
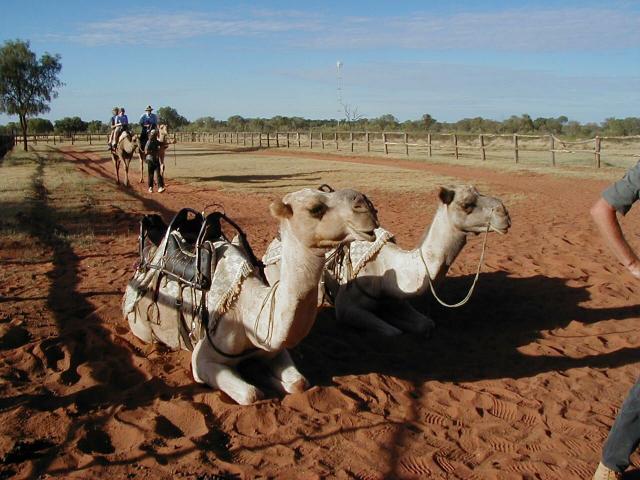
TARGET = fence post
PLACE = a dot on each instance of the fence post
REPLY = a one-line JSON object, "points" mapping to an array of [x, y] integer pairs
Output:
{"points": [[287, 139], [368, 143], [515, 147], [311, 139], [351, 140], [552, 149], [72, 139], [455, 144], [298, 138], [429, 144], [406, 143], [322, 139], [268, 140], [89, 140], [54, 138], [483, 154], [335, 134], [35, 140], [597, 151], [277, 139], [384, 141]]}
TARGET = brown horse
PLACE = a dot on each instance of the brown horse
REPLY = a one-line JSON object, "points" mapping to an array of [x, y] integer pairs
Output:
{"points": [[163, 138], [124, 151]]}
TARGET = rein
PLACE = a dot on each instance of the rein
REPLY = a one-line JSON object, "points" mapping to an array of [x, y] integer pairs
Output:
{"points": [[271, 294], [475, 280]]}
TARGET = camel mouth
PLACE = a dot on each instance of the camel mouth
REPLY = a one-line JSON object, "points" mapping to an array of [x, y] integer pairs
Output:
{"points": [[500, 230]]}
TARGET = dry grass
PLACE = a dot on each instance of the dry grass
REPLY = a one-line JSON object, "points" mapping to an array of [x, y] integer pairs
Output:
{"points": [[45, 199]]}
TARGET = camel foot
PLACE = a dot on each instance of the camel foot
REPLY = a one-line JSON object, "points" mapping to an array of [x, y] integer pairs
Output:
{"points": [[298, 386], [141, 180]]}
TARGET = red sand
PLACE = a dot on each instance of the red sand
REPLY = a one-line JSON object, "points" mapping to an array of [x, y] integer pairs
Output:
{"points": [[521, 383]]}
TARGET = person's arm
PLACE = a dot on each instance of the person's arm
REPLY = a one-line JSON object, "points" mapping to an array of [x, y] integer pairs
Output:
{"points": [[146, 147], [605, 217]]}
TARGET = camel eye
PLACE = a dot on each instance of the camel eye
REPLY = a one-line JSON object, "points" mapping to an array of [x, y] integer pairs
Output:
{"points": [[469, 206], [318, 210]]}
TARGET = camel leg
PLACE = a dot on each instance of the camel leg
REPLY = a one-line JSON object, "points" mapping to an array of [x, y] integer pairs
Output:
{"points": [[126, 172], [116, 165], [403, 315], [223, 377], [141, 166], [287, 377], [358, 312]]}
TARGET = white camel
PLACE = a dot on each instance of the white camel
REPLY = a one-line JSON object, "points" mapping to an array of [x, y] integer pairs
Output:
{"points": [[256, 319], [371, 291], [125, 149]]}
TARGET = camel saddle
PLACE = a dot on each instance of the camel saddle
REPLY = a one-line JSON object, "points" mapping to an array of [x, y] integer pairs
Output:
{"points": [[189, 253]]}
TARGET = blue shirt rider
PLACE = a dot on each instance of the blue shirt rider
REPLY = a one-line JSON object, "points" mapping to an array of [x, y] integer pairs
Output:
{"points": [[148, 121]]}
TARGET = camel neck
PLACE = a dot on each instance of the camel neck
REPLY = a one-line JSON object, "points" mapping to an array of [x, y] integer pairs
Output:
{"points": [[441, 244], [296, 297]]}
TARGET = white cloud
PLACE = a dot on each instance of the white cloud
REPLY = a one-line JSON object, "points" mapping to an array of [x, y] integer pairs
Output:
{"points": [[560, 29]]}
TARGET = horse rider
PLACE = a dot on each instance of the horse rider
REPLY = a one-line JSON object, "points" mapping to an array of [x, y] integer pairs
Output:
{"points": [[148, 121]]}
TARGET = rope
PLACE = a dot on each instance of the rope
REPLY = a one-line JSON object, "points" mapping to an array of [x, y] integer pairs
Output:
{"points": [[270, 295], [475, 280], [566, 142]]}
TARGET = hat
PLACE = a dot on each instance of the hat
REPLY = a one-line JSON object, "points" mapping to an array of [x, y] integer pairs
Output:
{"points": [[148, 109]]}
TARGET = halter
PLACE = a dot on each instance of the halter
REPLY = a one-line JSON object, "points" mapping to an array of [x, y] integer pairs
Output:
{"points": [[475, 280]]}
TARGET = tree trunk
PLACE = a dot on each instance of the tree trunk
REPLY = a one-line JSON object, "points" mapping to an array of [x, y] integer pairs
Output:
{"points": [[23, 125]]}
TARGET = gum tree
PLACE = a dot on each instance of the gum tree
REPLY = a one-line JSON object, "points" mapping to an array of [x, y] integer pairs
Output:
{"points": [[27, 84]]}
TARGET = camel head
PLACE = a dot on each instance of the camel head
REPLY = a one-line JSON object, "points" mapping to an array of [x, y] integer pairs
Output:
{"points": [[162, 132], [321, 219], [470, 212]]}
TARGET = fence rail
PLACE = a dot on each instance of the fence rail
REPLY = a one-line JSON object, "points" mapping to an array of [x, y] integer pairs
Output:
{"points": [[455, 144], [410, 143]]}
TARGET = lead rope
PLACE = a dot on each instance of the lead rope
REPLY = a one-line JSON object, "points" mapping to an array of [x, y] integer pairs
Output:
{"points": [[270, 295], [475, 280]]}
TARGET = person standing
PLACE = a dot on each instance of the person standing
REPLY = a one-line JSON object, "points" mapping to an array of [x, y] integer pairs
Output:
{"points": [[624, 436], [154, 164], [148, 122]]}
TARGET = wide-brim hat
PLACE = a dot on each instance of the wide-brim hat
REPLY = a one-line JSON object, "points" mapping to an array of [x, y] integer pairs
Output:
{"points": [[148, 109]]}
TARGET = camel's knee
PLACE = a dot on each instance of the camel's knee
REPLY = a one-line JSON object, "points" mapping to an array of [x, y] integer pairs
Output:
{"points": [[140, 329]]}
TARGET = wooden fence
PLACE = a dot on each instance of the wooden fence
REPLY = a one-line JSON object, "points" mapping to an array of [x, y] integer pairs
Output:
{"points": [[425, 145], [412, 143]]}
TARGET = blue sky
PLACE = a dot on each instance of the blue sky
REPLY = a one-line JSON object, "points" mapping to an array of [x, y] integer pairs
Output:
{"points": [[449, 59]]}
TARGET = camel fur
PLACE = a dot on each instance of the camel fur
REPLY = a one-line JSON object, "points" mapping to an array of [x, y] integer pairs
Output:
{"points": [[126, 147], [251, 318], [375, 296]]}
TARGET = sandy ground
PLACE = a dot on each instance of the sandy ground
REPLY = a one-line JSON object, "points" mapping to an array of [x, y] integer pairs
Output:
{"points": [[521, 383]]}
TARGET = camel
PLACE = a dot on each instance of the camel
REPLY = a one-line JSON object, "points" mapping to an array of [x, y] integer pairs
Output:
{"points": [[124, 151], [163, 133], [253, 319], [384, 283]]}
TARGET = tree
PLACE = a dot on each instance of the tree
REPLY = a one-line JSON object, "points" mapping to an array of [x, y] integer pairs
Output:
{"points": [[96, 126], [70, 125], [427, 121], [27, 84], [171, 118], [39, 125]]}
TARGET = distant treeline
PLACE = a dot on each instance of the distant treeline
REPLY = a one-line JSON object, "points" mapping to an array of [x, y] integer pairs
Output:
{"points": [[514, 124]]}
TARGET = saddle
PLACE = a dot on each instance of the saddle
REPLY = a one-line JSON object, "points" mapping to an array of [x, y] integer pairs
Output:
{"points": [[189, 252]]}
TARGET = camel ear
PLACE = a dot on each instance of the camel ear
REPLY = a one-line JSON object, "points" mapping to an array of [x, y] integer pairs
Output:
{"points": [[446, 195], [280, 210]]}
